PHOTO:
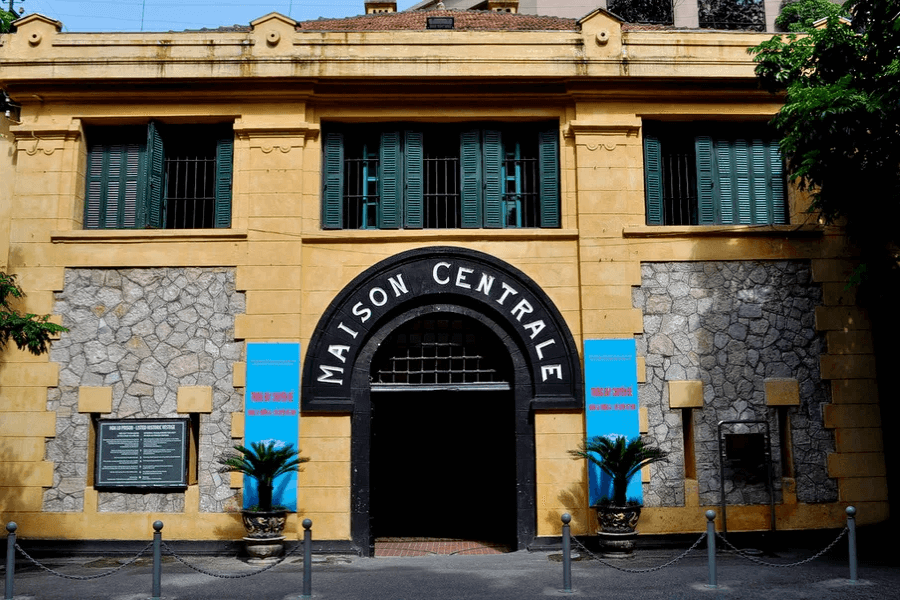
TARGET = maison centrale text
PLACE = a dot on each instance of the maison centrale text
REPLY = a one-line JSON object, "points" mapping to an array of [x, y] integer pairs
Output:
{"points": [[514, 303]]}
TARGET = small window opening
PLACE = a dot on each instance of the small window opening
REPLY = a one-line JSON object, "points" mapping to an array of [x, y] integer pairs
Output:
{"points": [[362, 196], [190, 179], [687, 429], [441, 199], [521, 183], [679, 180]]}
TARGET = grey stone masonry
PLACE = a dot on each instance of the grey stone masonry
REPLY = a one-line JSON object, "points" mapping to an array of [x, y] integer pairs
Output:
{"points": [[732, 325], [144, 333]]}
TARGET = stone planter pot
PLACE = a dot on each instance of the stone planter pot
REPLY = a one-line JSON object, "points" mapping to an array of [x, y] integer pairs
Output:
{"points": [[618, 519], [617, 534], [263, 525], [263, 551], [265, 535]]}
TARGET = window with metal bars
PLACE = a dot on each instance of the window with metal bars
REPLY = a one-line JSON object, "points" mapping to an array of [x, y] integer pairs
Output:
{"points": [[713, 174], [436, 177], [158, 176], [440, 352]]}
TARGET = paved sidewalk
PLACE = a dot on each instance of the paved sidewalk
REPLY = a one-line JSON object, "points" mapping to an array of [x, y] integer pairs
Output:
{"points": [[512, 576]]}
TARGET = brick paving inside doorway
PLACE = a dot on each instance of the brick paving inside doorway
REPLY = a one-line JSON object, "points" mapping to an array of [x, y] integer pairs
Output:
{"points": [[427, 546]]}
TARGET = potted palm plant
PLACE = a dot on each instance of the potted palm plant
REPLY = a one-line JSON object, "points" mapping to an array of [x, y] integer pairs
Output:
{"points": [[264, 462], [621, 459]]}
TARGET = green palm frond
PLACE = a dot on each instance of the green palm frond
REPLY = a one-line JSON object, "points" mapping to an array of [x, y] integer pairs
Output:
{"points": [[264, 462], [620, 458]]}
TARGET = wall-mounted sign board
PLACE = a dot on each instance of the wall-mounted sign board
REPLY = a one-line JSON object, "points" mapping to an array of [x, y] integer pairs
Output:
{"points": [[142, 453]]}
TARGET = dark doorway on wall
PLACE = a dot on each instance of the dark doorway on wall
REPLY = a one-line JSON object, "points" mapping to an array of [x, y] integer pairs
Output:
{"points": [[443, 433], [444, 466]]}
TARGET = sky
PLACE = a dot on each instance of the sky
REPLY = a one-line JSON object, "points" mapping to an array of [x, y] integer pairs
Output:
{"points": [[177, 15]]}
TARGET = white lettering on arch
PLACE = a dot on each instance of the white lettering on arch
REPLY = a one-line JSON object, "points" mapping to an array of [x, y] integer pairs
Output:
{"points": [[522, 308], [461, 274], [362, 312], [540, 347], [485, 284], [548, 370], [535, 327], [507, 290], [380, 293], [340, 351], [352, 333], [434, 273], [398, 286], [328, 373]]}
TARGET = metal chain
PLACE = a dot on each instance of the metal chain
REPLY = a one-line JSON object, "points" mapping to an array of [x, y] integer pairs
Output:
{"points": [[84, 577], [172, 553], [778, 565], [648, 570]]}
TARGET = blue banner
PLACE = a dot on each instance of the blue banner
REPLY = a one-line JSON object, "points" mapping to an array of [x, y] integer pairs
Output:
{"points": [[272, 411], [611, 403]]}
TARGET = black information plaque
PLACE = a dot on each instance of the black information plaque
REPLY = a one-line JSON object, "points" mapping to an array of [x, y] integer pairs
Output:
{"points": [[141, 453]]}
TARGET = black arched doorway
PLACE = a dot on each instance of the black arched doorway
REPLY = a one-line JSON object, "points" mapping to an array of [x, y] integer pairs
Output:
{"points": [[443, 445], [541, 366]]}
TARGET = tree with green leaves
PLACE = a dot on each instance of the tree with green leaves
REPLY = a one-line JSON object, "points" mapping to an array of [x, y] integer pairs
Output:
{"points": [[840, 123], [264, 462], [840, 130], [29, 331], [800, 15], [6, 19]]}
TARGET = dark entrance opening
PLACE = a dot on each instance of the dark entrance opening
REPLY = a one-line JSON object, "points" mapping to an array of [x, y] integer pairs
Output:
{"points": [[443, 443]]}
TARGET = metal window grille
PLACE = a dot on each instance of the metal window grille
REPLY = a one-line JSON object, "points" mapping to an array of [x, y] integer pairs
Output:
{"points": [[190, 182], [441, 199], [732, 14], [361, 196], [521, 199], [440, 353], [679, 179]]}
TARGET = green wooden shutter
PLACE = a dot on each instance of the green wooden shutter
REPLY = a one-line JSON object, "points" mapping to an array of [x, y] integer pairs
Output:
{"points": [[95, 197], [470, 166], [224, 170], [751, 179], [333, 193], [653, 187], [413, 162], [389, 182], [740, 174], [706, 192], [775, 176], [115, 180], [154, 192], [548, 153], [492, 163]]}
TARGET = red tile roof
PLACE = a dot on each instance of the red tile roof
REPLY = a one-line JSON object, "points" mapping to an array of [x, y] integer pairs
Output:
{"points": [[464, 20]]}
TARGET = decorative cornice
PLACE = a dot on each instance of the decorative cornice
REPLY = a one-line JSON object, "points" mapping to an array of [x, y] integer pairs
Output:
{"points": [[29, 136], [695, 231], [304, 131], [130, 236], [612, 129]]}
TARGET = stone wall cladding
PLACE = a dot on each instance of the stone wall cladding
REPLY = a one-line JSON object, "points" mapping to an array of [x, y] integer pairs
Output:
{"points": [[145, 333], [732, 325]]}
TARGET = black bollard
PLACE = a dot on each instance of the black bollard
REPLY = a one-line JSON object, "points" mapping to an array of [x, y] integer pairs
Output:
{"points": [[307, 559], [567, 553], [851, 542], [711, 547], [157, 559], [10, 559]]}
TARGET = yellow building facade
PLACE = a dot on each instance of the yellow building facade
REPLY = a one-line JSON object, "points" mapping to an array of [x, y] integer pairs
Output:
{"points": [[738, 308]]}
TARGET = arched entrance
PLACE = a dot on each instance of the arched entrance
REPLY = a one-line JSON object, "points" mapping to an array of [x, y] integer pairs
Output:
{"points": [[443, 454], [351, 367]]}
